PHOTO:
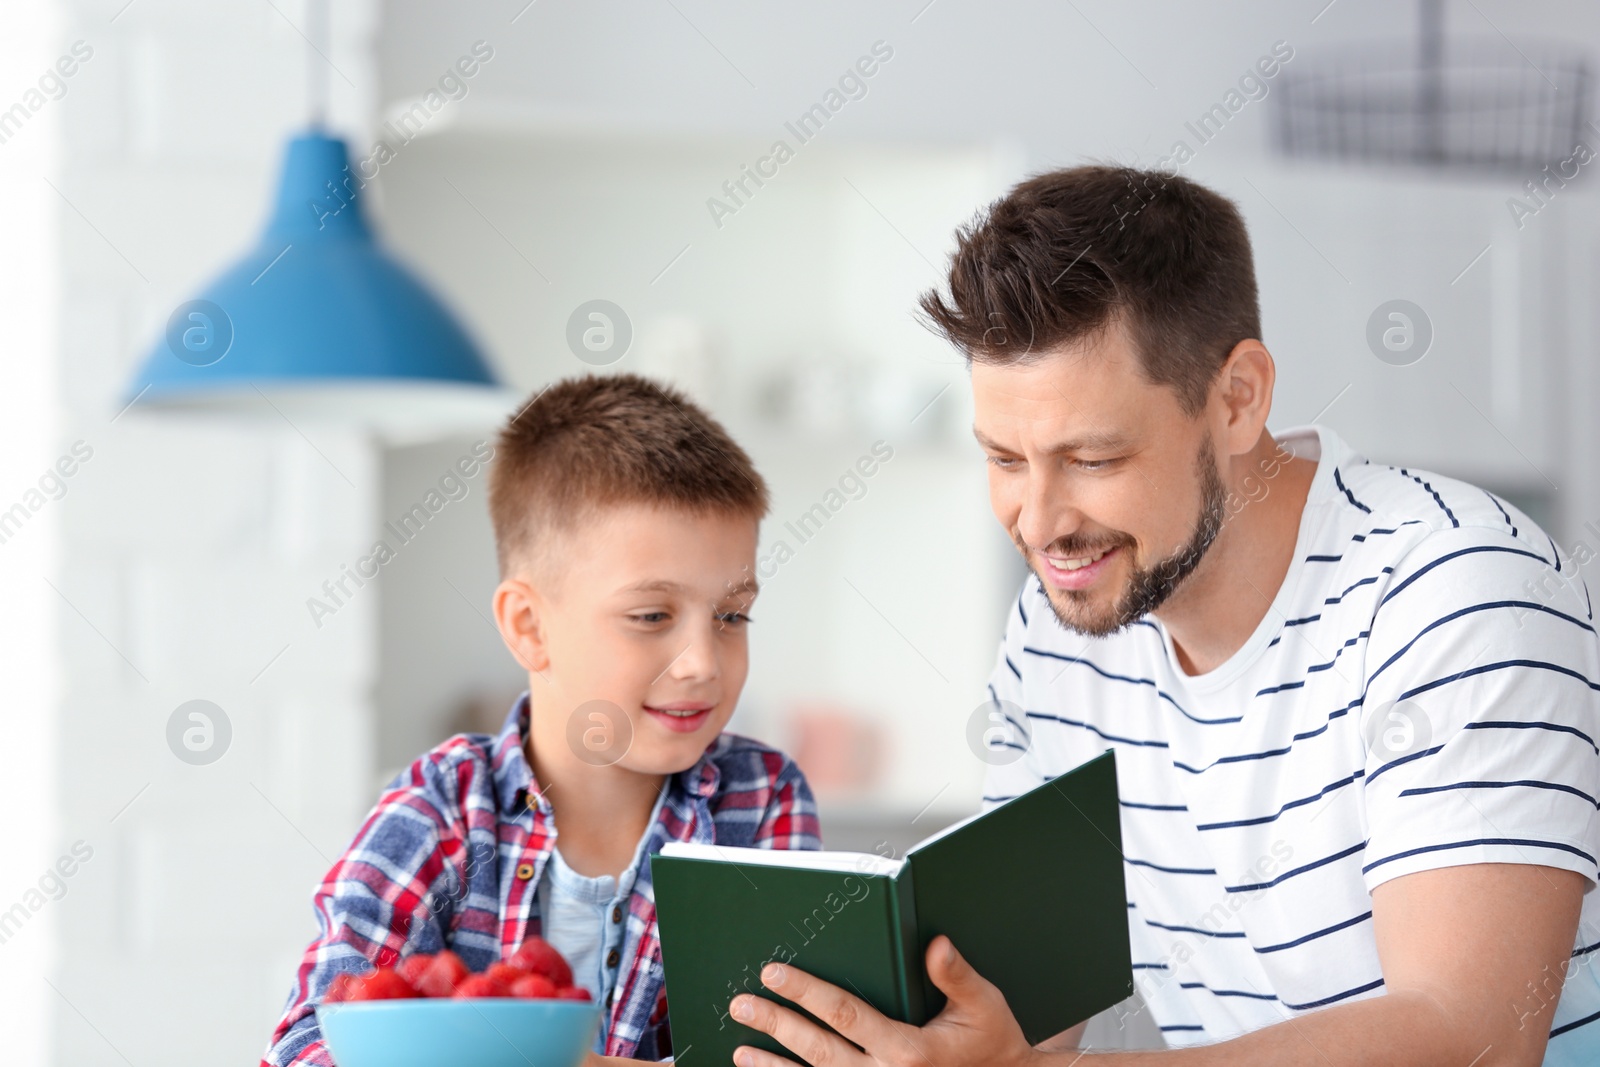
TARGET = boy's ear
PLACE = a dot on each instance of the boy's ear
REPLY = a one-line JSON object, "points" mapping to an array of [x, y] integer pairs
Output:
{"points": [[517, 616]]}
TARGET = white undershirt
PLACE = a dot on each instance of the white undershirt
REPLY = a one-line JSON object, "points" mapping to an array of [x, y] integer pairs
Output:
{"points": [[585, 919]]}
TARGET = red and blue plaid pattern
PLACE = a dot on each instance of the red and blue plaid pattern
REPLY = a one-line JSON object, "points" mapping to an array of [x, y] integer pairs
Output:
{"points": [[436, 865]]}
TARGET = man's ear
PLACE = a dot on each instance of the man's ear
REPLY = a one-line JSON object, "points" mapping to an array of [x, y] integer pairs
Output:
{"points": [[517, 614], [1245, 387]]}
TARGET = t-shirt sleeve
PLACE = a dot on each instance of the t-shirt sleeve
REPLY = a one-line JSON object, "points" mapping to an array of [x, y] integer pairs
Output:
{"points": [[1480, 713]]}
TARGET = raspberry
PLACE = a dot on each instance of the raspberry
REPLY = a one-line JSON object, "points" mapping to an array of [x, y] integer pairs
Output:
{"points": [[481, 985], [443, 974], [382, 984], [534, 986], [506, 973], [540, 957], [413, 967], [341, 987], [573, 992]]}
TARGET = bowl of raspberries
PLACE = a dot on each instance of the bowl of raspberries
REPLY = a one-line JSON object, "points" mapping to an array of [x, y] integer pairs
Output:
{"points": [[430, 1009]]}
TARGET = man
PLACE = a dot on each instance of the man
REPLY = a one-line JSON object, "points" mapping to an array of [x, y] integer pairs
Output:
{"points": [[1353, 705]]}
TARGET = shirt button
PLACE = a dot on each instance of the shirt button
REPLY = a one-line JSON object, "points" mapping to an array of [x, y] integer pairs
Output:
{"points": [[609, 994], [524, 871], [616, 913], [613, 958]]}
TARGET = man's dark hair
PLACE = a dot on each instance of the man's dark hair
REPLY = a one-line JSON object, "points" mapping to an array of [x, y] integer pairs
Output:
{"points": [[1064, 255]]}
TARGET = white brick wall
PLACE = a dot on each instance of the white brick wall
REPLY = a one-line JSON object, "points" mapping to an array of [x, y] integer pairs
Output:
{"points": [[189, 548], [28, 443]]}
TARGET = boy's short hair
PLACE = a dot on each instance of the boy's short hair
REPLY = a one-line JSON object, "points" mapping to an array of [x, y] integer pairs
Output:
{"points": [[593, 441]]}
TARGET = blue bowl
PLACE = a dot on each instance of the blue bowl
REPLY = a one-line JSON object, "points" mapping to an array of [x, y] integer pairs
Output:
{"points": [[475, 1032]]}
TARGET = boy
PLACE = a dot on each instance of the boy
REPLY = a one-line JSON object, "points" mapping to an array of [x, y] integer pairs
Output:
{"points": [[625, 523]]}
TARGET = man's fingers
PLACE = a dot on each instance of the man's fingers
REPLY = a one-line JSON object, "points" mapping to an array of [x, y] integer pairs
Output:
{"points": [[848, 1015], [953, 975], [794, 1032], [750, 1056]]}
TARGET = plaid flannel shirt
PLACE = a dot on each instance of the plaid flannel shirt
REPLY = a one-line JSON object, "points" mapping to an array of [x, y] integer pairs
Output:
{"points": [[452, 855]]}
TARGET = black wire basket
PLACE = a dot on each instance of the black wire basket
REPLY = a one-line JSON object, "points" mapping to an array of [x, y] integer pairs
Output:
{"points": [[1482, 105]]}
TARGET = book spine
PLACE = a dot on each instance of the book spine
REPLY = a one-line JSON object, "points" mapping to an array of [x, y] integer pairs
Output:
{"points": [[909, 973]]}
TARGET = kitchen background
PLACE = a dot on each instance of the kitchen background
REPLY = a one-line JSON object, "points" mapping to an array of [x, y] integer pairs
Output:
{"points": [[160, 550]]}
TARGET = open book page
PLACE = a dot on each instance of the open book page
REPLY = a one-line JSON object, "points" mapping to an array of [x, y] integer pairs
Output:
{"points": [[843, 862]]}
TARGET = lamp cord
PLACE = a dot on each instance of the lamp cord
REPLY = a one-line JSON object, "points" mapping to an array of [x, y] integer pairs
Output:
{"points": [[317, 64]]}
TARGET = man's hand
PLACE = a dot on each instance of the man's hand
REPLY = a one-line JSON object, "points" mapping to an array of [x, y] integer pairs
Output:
{"points": [[976, 1027]]}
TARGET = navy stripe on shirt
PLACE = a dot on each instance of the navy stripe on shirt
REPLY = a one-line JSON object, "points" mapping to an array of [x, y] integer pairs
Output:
{"points": [[1337, 713], [1487, 668], [1294, 622], [1325, 931], [1313, 865], [1163, 694], [1314, 668], [1168, 870], [1045, 716], [1325, 1001], [1358, 585], [1486, 606], [1496, 502], [1226, 992], [1553, 727], [1514, 841], [1420, 754], [1377, 531], [1258, 820], [1448, 556], [1348, 494], [1525, 782], [1153, 807], [1194, 930], [1437, 499]]}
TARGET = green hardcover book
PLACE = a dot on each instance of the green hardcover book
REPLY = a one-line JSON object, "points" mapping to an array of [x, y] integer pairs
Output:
{"points": [[1031, 893]]}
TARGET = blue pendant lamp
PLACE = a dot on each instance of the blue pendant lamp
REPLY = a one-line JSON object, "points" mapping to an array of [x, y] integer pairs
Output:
{"points": [[318, 321]]}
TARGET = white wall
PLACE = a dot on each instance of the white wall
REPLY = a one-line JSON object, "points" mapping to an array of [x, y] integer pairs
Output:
{"points": [[438, 650], [1095, 77], [187, 551], [31, 439]]}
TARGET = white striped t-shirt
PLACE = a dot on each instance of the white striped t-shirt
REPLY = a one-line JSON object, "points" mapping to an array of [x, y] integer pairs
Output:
{"points": [[1421, 694]]}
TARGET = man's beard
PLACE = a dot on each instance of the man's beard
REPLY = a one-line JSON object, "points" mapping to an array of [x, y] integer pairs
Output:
{"points": [[1148, 587]]}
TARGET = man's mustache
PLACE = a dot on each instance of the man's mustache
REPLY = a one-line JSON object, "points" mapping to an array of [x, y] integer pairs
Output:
{"points": [[1069, 549]]}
